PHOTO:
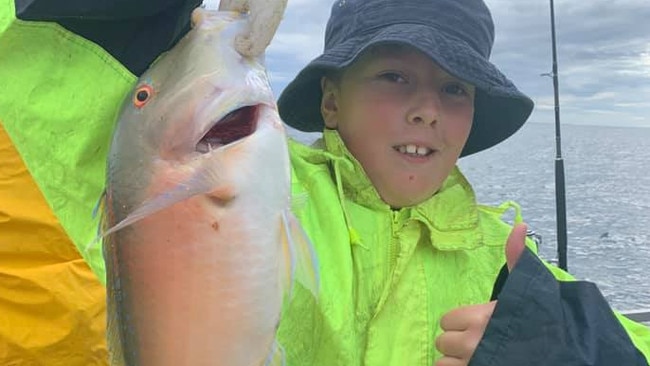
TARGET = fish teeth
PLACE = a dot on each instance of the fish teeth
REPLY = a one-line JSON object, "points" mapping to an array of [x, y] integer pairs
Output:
{"points": [[204, 147]]}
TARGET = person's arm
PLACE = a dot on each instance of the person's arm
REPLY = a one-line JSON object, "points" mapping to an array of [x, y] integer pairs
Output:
{"points": [[90, 9], [133, 32], [544, 317]]}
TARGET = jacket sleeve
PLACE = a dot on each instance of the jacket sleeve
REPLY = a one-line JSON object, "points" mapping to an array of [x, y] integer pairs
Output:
{"points": [[90, 9], [134, 32], [544, 317]]}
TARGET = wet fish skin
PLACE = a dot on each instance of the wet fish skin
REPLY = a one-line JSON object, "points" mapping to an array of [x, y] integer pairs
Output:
{"points": [[200, 246]]}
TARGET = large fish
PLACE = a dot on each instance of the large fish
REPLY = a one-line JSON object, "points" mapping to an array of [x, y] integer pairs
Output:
{"points": [[199, 242]]}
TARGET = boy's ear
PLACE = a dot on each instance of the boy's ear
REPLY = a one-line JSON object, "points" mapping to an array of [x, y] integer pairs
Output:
{"points": [[328, 105]]}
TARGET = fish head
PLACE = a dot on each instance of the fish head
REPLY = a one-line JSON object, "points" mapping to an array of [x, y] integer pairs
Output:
{"points": [[196, 101]]}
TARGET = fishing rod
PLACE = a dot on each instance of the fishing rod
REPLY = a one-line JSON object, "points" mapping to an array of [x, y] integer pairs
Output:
{"points": [[560, 194]]}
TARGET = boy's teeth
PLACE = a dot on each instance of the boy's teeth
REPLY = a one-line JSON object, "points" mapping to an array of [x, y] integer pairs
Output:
{"points": [[413, 149]]}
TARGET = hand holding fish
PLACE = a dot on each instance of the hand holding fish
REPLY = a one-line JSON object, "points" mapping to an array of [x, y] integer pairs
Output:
{"points": [[464, 327], [265, 16]]}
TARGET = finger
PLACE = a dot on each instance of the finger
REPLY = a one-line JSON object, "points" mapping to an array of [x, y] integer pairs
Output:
{"points": [[451, 361], [455, 320], [464, 317], [515, 245], [459, 345]]}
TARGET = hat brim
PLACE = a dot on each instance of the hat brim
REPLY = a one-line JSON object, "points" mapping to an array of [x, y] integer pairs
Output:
{"points": [[500, 109]]}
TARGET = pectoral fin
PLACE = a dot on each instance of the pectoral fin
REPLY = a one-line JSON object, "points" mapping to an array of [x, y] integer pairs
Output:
{"points": [[276, 357], [207, 179], [303, 263]]}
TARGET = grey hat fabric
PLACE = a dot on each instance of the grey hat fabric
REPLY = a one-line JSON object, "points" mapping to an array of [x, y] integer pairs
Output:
{"points": [[457, 34]]}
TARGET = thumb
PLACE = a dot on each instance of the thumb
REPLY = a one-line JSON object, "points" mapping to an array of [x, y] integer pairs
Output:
{"points": [[515, 245]]}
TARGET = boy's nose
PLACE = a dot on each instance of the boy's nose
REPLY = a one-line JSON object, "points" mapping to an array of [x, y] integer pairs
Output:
{"points": [[425, 109]]}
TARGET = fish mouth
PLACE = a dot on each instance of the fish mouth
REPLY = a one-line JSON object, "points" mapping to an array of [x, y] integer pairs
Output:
{"points": [[236, 125]]}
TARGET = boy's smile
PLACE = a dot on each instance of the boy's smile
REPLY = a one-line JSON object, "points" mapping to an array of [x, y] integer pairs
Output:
{"points": [[414, 150], [402, 117]]}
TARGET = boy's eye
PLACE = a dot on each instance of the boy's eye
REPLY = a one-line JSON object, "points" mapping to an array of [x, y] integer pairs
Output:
{"points": [[393, 77], [455, 89]]}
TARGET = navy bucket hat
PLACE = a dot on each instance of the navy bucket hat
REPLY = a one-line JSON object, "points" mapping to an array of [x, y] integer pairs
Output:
{"points": [[457, 34]]}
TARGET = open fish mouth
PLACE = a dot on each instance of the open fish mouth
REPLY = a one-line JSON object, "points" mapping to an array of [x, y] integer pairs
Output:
{"points": [[236, 125]]}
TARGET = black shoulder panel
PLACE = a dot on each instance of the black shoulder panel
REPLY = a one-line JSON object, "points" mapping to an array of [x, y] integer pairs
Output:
{"points": [[135, 32], [540, 321]]}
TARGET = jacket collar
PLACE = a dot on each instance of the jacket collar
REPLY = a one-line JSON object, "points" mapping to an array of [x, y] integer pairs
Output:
{"points": [[451, 215]]}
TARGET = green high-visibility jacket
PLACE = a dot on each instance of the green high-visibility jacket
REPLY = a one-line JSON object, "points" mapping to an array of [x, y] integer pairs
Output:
{"points": [[388, 276]]}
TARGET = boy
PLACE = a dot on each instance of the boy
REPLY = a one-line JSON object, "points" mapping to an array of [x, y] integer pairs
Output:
{"points": [[408, 259]]}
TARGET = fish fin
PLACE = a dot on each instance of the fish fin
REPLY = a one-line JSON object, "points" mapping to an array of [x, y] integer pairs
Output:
{"points": [[99, 206], [299, 201], [115, 354], [206, 179], [288, 263], [98, 210], [276, 356], [115, 332], [303, 260]]}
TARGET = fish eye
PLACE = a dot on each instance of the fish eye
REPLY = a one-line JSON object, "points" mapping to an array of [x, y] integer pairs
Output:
{"points": [[142, 95]]}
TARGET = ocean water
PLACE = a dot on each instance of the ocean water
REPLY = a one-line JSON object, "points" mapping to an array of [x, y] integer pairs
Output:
{"points": [[607, 171]]}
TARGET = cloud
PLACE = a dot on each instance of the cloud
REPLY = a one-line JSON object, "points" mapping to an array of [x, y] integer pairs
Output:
{"points": [[603, 57], [603, 54]]}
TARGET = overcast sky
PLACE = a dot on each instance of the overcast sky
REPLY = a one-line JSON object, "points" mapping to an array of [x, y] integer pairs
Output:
{"points": [[603, 54]]}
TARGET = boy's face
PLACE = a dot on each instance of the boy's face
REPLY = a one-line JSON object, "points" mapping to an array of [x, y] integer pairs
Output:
{"points": [[403, 118]]}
